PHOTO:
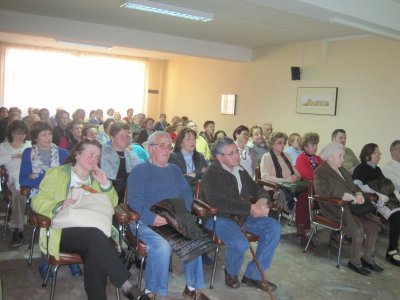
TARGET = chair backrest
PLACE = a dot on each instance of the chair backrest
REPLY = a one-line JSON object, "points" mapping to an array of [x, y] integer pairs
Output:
{"points": [[257, 173]]}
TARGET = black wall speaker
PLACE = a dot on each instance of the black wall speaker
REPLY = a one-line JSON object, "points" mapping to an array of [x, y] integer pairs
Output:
{"points": [[295, 73]]}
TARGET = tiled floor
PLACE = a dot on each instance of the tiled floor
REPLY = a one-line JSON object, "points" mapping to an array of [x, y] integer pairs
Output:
{"points": [[298, 276]]}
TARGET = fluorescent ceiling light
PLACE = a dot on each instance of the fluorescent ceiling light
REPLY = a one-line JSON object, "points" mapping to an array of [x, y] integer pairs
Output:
{"points": [[168, 9], [365, 27], [81, 44]]}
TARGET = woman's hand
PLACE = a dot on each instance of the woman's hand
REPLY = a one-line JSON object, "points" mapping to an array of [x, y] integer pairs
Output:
{"points": [[68, 202], [358, 199], [100, 176], [191, 174], [159, 221]]}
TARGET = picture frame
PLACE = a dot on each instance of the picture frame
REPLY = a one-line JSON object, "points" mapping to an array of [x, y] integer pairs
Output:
{"points": [[228, 104], [316, 100]]}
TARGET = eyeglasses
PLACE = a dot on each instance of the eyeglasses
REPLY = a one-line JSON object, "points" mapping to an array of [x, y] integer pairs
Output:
{"points": [[234, 152], [163, 146]]}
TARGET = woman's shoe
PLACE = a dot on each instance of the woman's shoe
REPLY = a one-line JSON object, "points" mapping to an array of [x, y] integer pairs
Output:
{"points": [[360, 269], [372, 265], [393, 257]]}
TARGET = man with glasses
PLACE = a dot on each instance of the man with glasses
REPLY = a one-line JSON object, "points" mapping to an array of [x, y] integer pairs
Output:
{"points": [[149, 183], [229, 188]]}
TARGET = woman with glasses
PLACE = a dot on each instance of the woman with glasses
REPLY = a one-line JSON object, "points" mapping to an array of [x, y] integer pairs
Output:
{"points": [[369, 177], [248, 159], [10, 157]]}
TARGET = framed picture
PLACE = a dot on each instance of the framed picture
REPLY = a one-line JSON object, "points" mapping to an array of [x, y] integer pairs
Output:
{"points": [[316, 100], [228, 103]]}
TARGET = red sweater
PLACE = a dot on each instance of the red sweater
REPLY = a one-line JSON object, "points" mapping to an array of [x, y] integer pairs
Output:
{"points": [[303, 165]]}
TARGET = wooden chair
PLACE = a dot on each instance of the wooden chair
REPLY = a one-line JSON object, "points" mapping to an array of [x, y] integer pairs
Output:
{"points": [[207, 209], [5, 195]]}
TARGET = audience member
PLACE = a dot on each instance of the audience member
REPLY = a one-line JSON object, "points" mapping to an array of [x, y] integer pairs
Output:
{"points": [[177, 126], [201, 143], [73, 136], [267, 131], [258, 142], [12, 116], [228, 187], [3, 112], [369, 177], [104, 136], [219, 134], [117, 116], [79, 115], [44, 115], [208, 133], [110, 113], [149, 183], [392, 169], [116, 160], [294, 148], [137, 125], [331, 179], [162, 123], [90, 132], [350, 159], [248, 159], [129, 116], [10, 157], [146, 131], [59, 131]]}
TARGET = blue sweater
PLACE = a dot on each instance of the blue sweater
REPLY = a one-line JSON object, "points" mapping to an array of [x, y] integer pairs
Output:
{"points": [[149, 184]]}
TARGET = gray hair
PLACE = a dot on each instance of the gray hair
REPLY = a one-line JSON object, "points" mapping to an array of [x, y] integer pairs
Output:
{"points": [[219, 145], [393, 145], [155, 135], [330, 149]]}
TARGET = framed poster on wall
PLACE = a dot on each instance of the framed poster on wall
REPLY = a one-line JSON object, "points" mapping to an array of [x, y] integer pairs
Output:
{"points": [[316, 100]]}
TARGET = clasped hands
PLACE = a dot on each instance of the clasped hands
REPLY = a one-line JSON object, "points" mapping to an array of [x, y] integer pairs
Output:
{"points": [[260, 208]]}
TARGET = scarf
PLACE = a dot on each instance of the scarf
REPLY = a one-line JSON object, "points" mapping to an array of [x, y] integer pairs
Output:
{"points": [[37, 165], [313, 160], [277, 166]]}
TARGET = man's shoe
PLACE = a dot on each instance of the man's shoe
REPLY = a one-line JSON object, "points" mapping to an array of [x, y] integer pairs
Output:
{"points": [[393, 257], [195, 294], [43, 270], [134, 293], [258, 284], [358, 269], [206, 260], [231, 280], [75, 270], [16, 240], [372, 265]]}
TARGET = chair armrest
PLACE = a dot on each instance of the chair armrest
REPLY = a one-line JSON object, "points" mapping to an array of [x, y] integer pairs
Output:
{"points": [[328, 200], [210, 210], [133, 216], [269, 184], [371, 197], [121, 215]]}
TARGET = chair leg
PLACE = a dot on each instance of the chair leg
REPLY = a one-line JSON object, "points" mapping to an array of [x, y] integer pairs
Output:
{"points": [[340, 249], [46, 278], [7, 216], [53, 284], [128, 258], [313, 231], [117, 293], [214, 267], [141, 271], [32, 246]]}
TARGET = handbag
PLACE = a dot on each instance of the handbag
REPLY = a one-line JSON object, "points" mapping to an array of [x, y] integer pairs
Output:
{"points": [[89, 210], [362, 209], [296, 186]]}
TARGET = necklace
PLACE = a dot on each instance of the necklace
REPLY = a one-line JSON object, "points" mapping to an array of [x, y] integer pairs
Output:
{"points": [[121, 154]]}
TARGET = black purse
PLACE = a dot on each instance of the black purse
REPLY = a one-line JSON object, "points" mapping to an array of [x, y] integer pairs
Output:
{"points": [[362, 209]]}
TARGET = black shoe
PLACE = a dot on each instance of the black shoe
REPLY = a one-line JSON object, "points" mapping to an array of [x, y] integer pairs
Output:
{"points": [[393, 257], [207, 261], [358, 269], [258, 284], [16, 240], [372, 265], [134, 293], [232, 280]]}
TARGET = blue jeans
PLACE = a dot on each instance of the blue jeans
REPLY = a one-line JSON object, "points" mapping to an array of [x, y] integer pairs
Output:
{"points": [[157, 262], [269, 234]]}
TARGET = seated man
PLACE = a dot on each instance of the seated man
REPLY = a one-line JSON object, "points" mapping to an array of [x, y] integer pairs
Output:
{"points": [[149, 183], [350, 159], [392, 169], [228, 187]]}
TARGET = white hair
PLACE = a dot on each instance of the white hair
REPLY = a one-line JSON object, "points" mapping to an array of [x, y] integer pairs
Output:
{"points": [[330, 149], [152, 138]]}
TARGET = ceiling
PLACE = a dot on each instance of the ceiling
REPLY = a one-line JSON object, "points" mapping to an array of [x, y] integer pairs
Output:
{"points": [[239, 27]]}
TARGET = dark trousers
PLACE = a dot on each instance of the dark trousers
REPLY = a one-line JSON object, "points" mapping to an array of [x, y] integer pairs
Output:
{"points": [[100, 259], [394, 230], [302, 211]]}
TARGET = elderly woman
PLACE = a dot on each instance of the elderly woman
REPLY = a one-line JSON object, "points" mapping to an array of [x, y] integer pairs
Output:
{"points": [[248, 159], [294, 149], [306, 163], [187, 158], [370, 178], [100, 258], [116, 160], [10, 157], [332, 180], [258, 142]]}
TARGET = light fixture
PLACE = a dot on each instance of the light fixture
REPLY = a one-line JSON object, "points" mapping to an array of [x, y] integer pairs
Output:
{"points": [[82, 44], [369, 28], [168, 9]]}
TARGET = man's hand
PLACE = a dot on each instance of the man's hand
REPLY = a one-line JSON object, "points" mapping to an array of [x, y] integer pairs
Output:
{"points": [[159, 221], [259, 210]]}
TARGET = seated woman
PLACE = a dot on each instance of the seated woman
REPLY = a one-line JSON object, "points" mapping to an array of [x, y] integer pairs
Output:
{"points": [[73, 135], [294, 149], [116, 160], [187, 158], [100, 258], [219, 135], [371, 179], [332, 180], [146, 131], [104, 135], [162, 123], [248, 159], [35, 162], [10, 157], [201, 143], [306, 163], [258, 142], [176, 126], [90, 132]]}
